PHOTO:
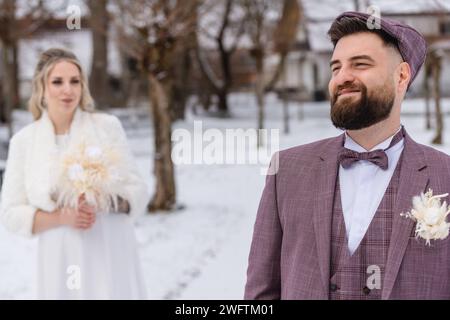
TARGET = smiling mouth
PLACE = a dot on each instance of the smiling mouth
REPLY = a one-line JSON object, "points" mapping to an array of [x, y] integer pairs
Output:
{"points": [[347, 92], [67, 100]]}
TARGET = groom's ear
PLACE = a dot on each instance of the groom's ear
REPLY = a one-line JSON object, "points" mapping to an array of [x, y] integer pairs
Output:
{"points": [[402, 77]]}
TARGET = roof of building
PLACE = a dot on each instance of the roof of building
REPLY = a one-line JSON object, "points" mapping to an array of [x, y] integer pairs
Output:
{"points": [[319, 14]]}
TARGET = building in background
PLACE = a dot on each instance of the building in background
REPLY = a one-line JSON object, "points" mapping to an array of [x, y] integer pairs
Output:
{"points": [[307, 70]]}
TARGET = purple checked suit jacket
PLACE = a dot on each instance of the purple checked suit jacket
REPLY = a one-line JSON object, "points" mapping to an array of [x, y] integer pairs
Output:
{"points": [[290, 251]]}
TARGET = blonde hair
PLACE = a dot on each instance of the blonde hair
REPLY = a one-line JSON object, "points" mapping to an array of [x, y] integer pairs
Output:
{"points": [[47, 61]]}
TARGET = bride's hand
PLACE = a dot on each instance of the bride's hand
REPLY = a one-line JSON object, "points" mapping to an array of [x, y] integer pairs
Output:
{"points": [[78, 219], [83, 218], [84, 207]]}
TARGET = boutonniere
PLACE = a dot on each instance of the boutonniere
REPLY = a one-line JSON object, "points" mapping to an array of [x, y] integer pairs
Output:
{"points": [[430, 216]]}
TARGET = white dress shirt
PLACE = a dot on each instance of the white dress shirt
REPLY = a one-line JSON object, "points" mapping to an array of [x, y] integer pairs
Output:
{"points": [[362, 187]]}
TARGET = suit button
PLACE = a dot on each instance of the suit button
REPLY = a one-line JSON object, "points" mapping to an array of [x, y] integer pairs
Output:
{"points": [[366, 290], [333, 287]]}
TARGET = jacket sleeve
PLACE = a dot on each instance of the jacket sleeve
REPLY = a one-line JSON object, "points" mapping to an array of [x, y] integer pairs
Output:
{"points": [[263, 273], [16, 213], [135, 189]]}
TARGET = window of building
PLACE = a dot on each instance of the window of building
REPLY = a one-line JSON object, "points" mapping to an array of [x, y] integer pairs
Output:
{"points": [[444, 27]]}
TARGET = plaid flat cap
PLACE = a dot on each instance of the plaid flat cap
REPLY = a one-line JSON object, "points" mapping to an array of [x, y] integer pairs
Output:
{"points": [[411, 43]]}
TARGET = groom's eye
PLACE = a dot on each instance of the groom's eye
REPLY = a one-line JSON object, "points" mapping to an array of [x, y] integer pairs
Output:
{"points": [[333, 70], [361, 64]]}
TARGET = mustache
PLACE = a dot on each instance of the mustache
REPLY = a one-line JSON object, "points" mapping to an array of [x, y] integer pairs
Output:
{"points": [[352, 87], [347, 86]]}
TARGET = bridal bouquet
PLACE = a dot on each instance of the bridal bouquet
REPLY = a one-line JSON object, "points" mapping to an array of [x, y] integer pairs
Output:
{"points": [[91, 171], [430, 216]]}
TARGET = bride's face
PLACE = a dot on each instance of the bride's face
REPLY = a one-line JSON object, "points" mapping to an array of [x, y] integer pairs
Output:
{"points": [[63, 89]]}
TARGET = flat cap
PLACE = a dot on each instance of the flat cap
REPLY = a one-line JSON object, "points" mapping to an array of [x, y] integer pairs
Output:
{"points": [[411, 43]]}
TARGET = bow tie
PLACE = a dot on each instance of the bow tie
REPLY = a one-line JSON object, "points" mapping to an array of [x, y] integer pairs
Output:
{"points": [[347, 157]]}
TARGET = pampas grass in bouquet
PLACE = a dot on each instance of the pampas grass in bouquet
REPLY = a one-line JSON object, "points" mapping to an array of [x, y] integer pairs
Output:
{"points": [[93, 172]]}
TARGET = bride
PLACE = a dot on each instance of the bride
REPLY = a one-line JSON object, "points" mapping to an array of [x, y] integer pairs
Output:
{"points": [[83, 253]]}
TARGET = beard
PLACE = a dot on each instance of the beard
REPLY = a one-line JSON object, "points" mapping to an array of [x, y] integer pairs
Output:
{"points": [[351, 113]]}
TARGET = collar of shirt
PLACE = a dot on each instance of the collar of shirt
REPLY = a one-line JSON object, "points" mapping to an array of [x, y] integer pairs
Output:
{"points": [[353, 145]]}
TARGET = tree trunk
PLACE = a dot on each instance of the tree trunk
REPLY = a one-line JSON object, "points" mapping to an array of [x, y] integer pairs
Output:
{"points": [[285, 99], [427, 104], [279, 70], [15, 74], [8, 85], [205, 94], [286, 115], [99, 70], [259, 88], [164, 197], [222, 95], [437, 98], [179, 97], [427, 88], [2, 102], [181, 89], [4, 72], [258, 54], [301, 113], [222, 92], [9, 67], [220, 87]]}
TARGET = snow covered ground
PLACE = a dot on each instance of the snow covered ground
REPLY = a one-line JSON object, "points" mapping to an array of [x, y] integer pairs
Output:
{"points": [[199, 252]]}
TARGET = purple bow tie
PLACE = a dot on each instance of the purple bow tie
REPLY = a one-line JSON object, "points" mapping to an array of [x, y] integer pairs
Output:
{"points": [[347, 157]]}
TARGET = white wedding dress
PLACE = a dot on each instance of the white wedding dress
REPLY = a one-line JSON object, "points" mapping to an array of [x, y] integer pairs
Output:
{"points": [[99, 263]]}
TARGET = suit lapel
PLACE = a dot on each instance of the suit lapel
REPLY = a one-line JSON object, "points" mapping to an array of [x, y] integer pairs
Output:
{"points": [[323, 204], [413, 180]]}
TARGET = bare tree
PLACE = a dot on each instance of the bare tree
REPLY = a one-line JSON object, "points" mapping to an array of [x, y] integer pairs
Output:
{"points": [[435, 57], [2, 103], [224, 26], [427, 89], [9, 45], [99, 23], [183, 71], [264, 37], [155, 32], [12, 29]]}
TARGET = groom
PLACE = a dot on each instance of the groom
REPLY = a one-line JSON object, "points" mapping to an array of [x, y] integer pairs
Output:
{"points": [[329, 224]]}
